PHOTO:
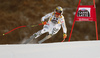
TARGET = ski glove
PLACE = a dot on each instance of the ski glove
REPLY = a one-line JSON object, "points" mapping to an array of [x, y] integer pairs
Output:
{"points": [[44, 22], [64, 36]]}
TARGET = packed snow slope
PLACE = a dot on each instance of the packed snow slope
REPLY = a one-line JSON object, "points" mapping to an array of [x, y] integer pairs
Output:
{"points": [[80, 49]]}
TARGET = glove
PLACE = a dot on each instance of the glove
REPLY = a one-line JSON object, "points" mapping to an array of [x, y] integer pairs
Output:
{"points": [[44, 22], [64, 36]]}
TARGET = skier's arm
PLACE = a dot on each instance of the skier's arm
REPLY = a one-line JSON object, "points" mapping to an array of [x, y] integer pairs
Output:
{"points": [[64, 26], [64, 29], [44, 18]]}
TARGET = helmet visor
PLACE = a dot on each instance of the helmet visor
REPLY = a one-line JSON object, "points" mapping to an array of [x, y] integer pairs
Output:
{"points": [[58, 13]]}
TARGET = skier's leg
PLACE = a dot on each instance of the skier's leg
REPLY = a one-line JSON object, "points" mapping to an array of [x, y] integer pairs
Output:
{"points": [[32, 37], [52, 32], [36, 35], [47, 37]]}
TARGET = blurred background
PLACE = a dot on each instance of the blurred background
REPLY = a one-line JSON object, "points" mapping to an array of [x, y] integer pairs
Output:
{"points": [[14, 13]]}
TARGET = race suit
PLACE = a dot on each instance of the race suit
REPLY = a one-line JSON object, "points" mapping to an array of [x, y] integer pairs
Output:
{"points": [[54, 24], [52, 27]]}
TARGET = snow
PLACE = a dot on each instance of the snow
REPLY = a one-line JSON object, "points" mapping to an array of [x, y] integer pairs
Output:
{"points": [[78, 49]]}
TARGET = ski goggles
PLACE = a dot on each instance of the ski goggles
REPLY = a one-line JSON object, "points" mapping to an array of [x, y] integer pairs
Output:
{"points": [[58, 13]]}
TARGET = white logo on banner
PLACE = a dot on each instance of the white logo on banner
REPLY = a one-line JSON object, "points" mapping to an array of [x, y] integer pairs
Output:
{"points": [[84, 12]]}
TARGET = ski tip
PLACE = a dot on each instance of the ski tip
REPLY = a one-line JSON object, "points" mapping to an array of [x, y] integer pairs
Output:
{"points": [[3, 34]]}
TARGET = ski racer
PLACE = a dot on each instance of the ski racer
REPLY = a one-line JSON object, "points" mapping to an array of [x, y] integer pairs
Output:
{"points": [[52, 24]]}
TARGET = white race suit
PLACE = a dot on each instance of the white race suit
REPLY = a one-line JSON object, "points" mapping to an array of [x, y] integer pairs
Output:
{"points": [[53, 26]]}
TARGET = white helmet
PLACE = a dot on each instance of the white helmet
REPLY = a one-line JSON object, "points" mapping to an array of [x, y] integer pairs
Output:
{"points": [[58, 10]]}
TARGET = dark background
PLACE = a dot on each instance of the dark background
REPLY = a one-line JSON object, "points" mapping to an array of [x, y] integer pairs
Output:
{"points": [[14, 13]]}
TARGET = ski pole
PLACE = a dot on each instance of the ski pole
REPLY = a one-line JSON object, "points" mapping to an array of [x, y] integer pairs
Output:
{"points": [[63, 40], [20, 27]]}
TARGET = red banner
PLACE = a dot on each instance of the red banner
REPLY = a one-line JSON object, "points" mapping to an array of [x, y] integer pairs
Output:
{"points": [[85, 13]]}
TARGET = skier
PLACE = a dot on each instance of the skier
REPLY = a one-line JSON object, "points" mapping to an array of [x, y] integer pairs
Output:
{"points": [[52, 24]]}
